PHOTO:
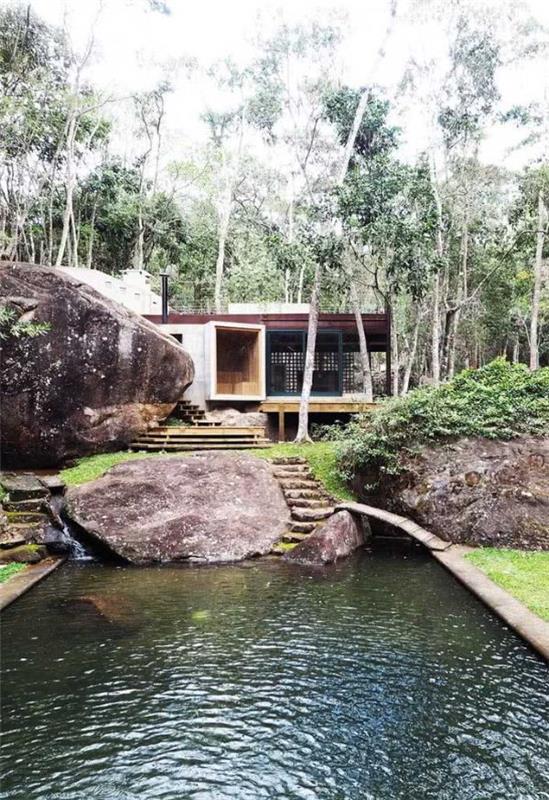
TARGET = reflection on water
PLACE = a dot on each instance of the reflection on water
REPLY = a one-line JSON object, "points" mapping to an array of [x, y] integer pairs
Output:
{"points": [[378, 679]]}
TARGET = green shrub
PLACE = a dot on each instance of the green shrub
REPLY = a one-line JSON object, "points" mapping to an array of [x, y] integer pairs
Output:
{"points": [[498, 401]]}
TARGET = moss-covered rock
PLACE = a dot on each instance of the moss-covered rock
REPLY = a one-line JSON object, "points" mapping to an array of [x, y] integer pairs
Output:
{"points": [[25, 554]]}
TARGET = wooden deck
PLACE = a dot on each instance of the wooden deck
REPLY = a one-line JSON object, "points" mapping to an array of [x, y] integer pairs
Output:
{"points": [[317, 405]]}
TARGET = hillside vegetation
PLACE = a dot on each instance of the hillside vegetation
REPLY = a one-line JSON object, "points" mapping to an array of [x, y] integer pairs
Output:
{"points": [[498, 401]]}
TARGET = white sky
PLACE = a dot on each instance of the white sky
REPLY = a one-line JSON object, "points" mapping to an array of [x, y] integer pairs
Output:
{"points": [[134, 47]]}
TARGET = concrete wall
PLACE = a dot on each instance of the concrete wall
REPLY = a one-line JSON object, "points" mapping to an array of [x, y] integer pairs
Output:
{"points": [[268, 308], [131, 289], [194, 343]]}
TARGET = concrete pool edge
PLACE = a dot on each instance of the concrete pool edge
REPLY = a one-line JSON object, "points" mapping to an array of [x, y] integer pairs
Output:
{"points": [[21, 582], [530, 627]]}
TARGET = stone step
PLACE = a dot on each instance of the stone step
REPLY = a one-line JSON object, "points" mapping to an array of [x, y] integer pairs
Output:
{"points": [[24, 505], [11, 539], [304, 502], [54, 483], [26, 517], [286, 476], [303, 527], [296, 494], [281, 548], [312, 514], [295, 536], [288, 460], [22, 487], [297, 483]]}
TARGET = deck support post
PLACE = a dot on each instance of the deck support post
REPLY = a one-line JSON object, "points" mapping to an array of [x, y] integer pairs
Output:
{"points": [[388, 365], [281, 425]]}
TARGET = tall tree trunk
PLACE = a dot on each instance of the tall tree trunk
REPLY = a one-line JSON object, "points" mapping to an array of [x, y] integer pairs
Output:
{"points": [[435, 328], [303, 426], [221, 244], [89, 257], [367, 383], [411, 356], [536, 294], [435, 332], [300, 282], [302, 433], [463, 292], [395, 356], [69, 189]]}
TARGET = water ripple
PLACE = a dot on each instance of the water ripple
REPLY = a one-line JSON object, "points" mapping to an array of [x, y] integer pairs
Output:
{"points": [[380, 679]]}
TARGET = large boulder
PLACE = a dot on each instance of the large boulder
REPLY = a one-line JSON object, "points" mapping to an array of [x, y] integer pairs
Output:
{"points": [[206, 507], [337, 538], [99, 377], [233, 418], [478, 492]]}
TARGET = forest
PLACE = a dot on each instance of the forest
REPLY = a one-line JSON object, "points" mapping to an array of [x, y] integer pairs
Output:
{"points": [[299, 186]]}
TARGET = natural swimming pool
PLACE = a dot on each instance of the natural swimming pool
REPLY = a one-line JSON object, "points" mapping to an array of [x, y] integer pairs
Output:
{"points": [[380, 678]]}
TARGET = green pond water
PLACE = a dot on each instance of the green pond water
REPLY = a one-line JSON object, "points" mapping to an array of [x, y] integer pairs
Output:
{"points": [[378, 679]]}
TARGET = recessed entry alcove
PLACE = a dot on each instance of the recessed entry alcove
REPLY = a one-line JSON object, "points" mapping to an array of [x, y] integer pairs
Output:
{"points": [[237, 361]]}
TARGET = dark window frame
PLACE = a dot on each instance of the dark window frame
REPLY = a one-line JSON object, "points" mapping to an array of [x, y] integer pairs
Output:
{"points": [[303, 334]]}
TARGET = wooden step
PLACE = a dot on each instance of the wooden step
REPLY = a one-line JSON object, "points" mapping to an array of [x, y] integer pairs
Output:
{"points": [[197, 429], [200, 438], [201, 442], [181, 447]]}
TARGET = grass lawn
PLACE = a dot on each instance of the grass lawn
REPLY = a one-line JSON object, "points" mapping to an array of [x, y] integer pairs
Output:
{"points": [[91, 467], [10, 569], [320, 455], [322, 460], [524, 574]]}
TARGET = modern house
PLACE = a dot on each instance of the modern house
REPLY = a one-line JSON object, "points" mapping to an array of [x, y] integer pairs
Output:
{"points": [[252, 356]]}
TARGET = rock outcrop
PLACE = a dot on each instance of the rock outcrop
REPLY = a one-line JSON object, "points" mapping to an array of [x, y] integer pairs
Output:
{"points": [[233, 418], [478, 492], [208, 507], [94, 381], [337, 538]]}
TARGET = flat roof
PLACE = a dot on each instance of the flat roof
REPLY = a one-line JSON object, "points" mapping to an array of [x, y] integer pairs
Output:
{"points": [[374, 324]]}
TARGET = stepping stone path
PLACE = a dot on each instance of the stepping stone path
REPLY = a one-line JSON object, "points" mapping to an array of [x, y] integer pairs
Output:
{"points": [[306, 498], [27, 519]]}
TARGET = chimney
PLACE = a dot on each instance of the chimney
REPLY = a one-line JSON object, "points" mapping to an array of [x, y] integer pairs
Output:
{"points": [[164, 291]]}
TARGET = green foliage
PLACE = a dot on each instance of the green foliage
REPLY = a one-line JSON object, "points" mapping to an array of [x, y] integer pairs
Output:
{"points": [[523, 574], [374, 137], [7, 571], [10, 325], [499, 401]]}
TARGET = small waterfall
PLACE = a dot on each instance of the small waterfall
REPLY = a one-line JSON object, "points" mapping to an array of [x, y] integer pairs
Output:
{"points": [[77, 551]]}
